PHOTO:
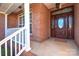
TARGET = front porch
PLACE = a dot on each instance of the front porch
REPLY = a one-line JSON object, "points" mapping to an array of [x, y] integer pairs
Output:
{"points": [[55, 47], [54, 29]]}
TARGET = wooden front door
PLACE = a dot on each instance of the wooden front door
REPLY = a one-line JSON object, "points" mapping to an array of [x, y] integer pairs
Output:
{"points": [[62, 26]]}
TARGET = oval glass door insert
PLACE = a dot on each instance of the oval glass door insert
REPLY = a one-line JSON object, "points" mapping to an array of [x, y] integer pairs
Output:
{"points": [[60, 23]]}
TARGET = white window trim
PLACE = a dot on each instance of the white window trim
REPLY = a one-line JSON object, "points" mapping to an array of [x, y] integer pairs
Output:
{"points": [[20, 15]]}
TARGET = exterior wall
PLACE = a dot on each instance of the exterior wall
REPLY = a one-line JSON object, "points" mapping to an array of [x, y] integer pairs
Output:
{"points": [[2, 26], [12, 21], [40, 22], [76, 30]]}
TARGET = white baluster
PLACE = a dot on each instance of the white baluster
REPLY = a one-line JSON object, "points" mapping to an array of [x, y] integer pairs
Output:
{"points": [[0, 50], [19, 40], [25, 38], [11, 47], [15, 45], [22, 39], [5, 48]]}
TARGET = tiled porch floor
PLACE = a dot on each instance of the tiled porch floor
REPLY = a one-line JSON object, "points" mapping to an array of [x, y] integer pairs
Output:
{"points": [[53, 47]]}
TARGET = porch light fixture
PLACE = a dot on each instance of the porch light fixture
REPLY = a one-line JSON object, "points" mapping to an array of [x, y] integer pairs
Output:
{"points": [[58, 5]]}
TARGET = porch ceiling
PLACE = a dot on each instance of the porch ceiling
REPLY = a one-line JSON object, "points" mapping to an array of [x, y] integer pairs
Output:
{"points": [[52, 6], [9, 7], [4, 6]]}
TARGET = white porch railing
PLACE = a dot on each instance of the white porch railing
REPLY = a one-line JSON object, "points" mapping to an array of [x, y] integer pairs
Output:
{"points": [[14, 44]]}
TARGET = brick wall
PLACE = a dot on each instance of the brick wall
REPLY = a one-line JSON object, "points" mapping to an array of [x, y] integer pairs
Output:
{"points": [[12, 20], [40, 22], [2, 26]]}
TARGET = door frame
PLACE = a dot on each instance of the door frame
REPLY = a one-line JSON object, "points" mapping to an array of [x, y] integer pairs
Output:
{"points": [[72, 12]]}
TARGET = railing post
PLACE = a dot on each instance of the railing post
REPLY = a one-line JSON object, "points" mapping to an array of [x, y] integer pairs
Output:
{"points": [[5, 25], [27, 27]]}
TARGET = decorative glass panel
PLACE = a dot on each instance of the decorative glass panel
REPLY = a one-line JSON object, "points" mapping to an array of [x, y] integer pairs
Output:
{"points": [[60, 23], [70, 21], [52, 24], [62, 11]]}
